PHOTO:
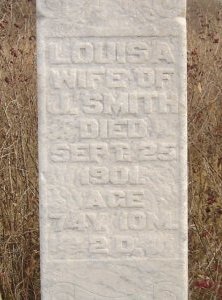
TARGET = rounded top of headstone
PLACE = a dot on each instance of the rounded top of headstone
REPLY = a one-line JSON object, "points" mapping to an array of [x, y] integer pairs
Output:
{"points": [[85, 10]]}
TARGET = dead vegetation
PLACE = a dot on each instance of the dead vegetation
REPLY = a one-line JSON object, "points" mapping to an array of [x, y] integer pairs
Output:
{"points": [[205, 148], [19, 247]]}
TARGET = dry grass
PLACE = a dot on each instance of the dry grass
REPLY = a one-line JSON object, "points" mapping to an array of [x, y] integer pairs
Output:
{"points": [[19, 247], [205, 148]]}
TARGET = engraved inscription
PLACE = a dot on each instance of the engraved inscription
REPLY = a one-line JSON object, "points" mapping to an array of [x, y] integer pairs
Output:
{"points": [[66, 51], [117, 152], [112, 143]]}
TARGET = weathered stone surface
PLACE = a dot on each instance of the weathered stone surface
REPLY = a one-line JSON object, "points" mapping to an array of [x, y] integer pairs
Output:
{"points": [[112, 144]]}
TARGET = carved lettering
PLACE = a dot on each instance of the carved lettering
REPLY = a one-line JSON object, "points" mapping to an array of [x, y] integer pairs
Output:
{"points": [[119, 152], [72, 51], [152, 78]]}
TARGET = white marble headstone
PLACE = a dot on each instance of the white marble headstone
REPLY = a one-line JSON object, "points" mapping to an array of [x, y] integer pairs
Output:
{"points": [[112, 149]]}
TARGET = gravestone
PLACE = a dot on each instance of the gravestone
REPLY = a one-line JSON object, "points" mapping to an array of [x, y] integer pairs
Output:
{"points": [[112, 149]]}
